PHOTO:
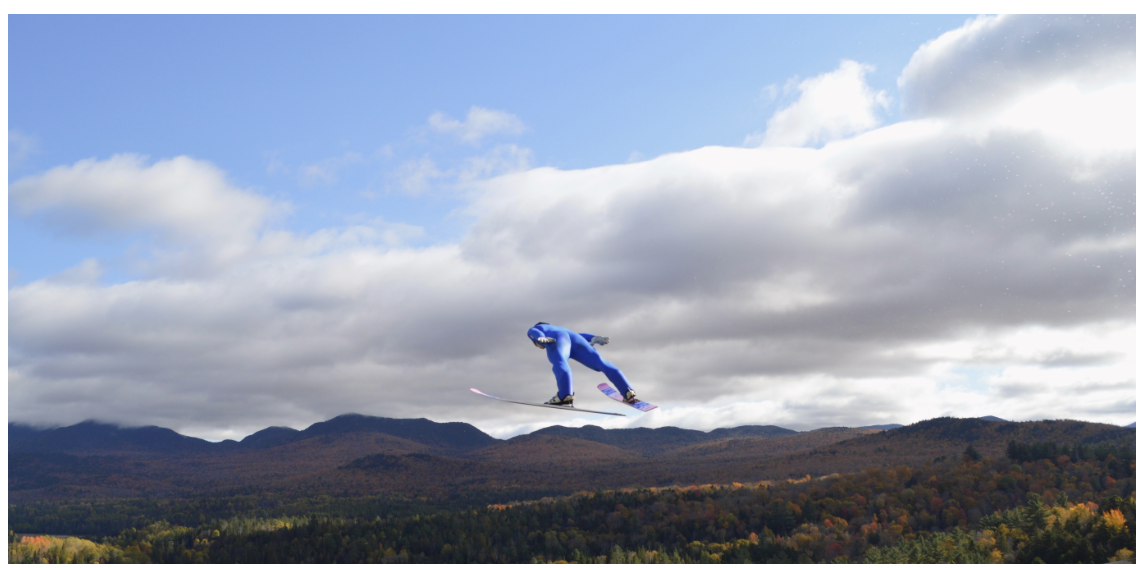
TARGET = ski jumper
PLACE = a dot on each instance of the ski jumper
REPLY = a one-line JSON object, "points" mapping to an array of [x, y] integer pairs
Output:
{"points": [[576, 346]]}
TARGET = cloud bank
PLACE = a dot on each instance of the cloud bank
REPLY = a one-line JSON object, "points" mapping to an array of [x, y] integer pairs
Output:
{"points": [[950, 264]]}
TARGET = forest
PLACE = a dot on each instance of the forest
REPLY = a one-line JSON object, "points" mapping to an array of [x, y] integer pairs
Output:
{"points": [[1040, 502]]}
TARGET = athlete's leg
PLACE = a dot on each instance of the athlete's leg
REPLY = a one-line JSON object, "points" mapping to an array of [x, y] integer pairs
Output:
{"points": [[590, 357], [558, 353]]}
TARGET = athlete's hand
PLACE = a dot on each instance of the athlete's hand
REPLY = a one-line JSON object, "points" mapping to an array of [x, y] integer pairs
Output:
{"points": [[599, 340]]}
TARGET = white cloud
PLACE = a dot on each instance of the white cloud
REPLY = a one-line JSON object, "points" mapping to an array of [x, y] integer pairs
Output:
{"points": [[182, 198], [991, 60], [1098, 124], [480, 123], [374, 234], [831, 106], [199, 220], [939, 266]]}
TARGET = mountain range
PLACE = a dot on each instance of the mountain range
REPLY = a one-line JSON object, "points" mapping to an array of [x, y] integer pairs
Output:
{"points": [[358, 455], [92, 437], [387, 466]]}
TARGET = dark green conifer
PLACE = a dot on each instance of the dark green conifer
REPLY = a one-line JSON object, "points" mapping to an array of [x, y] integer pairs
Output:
{"points": [[971, 453]]}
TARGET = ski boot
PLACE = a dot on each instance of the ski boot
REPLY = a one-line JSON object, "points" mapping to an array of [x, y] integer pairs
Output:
{"points": [[556, 401], [630, 396]]}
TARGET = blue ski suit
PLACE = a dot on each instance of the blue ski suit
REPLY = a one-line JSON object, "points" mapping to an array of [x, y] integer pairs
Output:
{"points": [[576, 346]]}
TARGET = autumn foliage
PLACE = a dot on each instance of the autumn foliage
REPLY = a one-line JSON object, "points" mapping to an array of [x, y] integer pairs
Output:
{"points": [[946, 490]]}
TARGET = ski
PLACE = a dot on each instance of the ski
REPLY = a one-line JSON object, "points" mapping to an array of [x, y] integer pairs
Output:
{"points": [[476, 391], [614, 394]]}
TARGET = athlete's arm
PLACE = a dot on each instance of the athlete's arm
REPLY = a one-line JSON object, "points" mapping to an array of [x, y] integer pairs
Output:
{"points": [[595, 339]]}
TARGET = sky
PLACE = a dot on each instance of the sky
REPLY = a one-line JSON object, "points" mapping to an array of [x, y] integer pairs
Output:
{"points": [[218, 224]]}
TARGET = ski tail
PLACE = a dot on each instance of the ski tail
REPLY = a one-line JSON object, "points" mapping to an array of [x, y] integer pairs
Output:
{"points": [[608, 390]]}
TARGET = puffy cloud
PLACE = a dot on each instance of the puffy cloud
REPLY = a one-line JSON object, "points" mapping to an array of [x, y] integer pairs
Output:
{"points": [[831, 106], [480, 123], [183, 201], [935, 266], [992, 60]]}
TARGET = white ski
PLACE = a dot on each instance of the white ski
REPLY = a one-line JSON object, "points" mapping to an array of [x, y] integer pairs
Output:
{"points": [[476, 391]]}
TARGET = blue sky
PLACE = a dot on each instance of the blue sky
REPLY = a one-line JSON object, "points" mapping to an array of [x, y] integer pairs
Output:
{"points": [[219, 224], [248, 92]]}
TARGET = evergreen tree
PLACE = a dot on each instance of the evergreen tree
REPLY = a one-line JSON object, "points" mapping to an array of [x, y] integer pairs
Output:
{"points": [[971, 453], [1035, 515]]}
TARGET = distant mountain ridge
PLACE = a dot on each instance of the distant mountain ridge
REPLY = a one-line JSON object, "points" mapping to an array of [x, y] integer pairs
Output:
{"points": [[749, 432], [452, 435], [656, 440], [95, 437], [451, 438], [271, 436], [972, 430], [92, 437], [20, 433], [355, 456]]}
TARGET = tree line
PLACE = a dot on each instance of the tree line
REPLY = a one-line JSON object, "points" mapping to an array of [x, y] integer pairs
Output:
{"points": [[1071, 507]]}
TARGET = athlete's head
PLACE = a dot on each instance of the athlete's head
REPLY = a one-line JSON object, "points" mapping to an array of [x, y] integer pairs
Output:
{"points": [[535, 336]]}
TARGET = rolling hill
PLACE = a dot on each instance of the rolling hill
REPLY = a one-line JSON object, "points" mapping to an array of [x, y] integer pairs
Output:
{"points": [[654, 441], [93, 437]]}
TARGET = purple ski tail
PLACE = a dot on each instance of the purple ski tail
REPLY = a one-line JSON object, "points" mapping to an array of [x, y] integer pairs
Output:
{"points": [[608, 390]]}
